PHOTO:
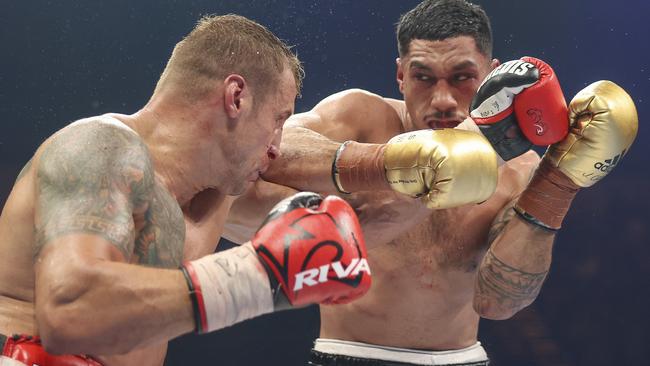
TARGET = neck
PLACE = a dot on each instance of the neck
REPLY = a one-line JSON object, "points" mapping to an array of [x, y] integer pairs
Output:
{"points": [[179, 146]]}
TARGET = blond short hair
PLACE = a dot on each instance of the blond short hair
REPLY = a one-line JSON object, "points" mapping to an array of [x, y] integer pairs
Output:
{"points": [[221, 45]]}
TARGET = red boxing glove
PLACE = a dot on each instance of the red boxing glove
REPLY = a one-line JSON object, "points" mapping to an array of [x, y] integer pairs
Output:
{"points": [[28, 350], [314, 251], [520, 103]]}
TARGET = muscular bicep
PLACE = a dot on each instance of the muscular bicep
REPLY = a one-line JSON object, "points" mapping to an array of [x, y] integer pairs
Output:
{"points": [[91, 179]]}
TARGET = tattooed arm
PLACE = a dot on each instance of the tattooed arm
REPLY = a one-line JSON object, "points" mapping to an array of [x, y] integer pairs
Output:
{"points": [[514, 268], [92, 179]]}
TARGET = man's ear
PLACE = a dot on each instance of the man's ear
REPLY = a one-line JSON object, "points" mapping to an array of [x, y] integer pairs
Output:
{"points": [[400, 75], [236, 95], [494, 64]]}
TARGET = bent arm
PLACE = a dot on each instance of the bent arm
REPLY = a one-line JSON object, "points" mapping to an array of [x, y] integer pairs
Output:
{"points": [[514, 268], [91, 181], [516, 263], [96, 305]]}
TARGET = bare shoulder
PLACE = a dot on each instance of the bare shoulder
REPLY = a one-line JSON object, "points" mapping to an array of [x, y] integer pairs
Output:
{"points": [[102, 146], [360, 111], [91, 176], [102, 137]]}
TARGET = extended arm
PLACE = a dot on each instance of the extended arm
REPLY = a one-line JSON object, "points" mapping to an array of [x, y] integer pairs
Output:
{"points": [[310, 140], [383, 178]]}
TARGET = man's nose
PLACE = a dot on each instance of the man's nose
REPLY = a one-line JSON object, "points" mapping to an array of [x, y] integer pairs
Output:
{"points": [[443, 100]]}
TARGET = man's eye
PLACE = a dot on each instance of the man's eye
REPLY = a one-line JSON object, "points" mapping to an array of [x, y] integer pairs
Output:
{"points": [[423, 77], [463, 77]]}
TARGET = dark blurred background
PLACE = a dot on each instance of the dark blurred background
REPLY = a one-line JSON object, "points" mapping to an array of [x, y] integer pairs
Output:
{"points": [[63, 60]]}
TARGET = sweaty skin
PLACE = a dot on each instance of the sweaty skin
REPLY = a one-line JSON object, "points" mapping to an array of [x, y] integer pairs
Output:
{"points": [[154, 238], [111, 191], [435, 273]]}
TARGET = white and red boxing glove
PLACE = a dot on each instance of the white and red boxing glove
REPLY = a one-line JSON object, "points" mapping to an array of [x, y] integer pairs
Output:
{"points": [[520, 103], [308, 250], [317, 256]]}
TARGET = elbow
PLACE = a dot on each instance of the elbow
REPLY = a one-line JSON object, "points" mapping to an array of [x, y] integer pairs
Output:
{"points": [[60, 333], [66, 331], [66, 320], [492, 310]]}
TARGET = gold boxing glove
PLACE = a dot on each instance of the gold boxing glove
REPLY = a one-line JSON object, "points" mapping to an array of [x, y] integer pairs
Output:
{"points": [[604, 124], [447, 167]]}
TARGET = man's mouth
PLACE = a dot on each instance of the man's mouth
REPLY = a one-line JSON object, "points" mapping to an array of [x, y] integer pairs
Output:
{"points": [[447, 123]]}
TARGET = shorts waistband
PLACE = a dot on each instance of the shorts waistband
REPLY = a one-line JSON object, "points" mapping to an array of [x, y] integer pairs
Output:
{"points": [[474, 354]]}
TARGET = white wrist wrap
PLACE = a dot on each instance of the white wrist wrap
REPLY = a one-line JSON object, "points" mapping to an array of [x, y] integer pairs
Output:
{"points": [[233, 286]]}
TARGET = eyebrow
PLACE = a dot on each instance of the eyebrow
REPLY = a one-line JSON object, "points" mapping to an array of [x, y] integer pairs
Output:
{"points": [[465, 65], [460, 66], [419, 65]]}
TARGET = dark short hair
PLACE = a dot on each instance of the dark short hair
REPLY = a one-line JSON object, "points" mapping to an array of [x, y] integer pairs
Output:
{"points": [[436, 20]]}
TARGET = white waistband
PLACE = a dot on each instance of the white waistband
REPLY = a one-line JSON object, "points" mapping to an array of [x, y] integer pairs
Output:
{"points": [[473, 353]]}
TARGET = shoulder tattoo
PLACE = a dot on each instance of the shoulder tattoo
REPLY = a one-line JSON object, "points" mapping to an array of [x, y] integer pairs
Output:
{"points": [[90, 179]]}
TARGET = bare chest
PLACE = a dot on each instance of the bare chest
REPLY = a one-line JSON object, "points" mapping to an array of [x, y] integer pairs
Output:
{"points": [[161, 232], [452, 240]]}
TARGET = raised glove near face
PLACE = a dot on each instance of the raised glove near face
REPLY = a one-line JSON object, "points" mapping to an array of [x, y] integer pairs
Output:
{"points": [[314, 251], [604, 124], [520, 103]]}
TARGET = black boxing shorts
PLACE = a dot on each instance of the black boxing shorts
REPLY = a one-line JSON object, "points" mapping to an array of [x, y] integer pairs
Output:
{"points": [[21, 350], [332, 352]]}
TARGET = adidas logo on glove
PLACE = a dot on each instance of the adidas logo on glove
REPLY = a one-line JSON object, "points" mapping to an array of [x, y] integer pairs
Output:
{"points": [[609, 164]]}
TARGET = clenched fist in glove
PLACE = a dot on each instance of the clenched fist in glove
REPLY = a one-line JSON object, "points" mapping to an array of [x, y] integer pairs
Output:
{"points": [[308, 250], [520, 103], [604, 124], [446, 168]]}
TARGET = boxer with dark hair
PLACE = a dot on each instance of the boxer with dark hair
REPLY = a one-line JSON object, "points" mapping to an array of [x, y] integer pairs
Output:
{"points": [[107, 235], [451, 237]]}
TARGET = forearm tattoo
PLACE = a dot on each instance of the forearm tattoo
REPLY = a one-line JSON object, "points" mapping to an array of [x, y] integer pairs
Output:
{"points": [[510, 287], [500, 222]]}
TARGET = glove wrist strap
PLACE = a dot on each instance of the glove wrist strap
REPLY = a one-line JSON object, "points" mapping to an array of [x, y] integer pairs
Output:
{"points": [[230, 286], [200, 322], [547, 198], [359, 167]]}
